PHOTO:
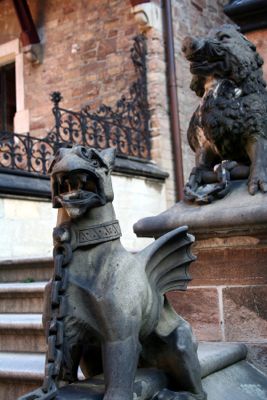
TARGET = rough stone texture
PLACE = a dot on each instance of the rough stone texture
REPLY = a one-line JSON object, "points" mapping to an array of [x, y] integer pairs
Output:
{"points": [[245, 313], [230, 261], [227, 296], [200, 307]]}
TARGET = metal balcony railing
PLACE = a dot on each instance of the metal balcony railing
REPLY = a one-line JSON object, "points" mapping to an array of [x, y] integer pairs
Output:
{"points": [[125, 127]]}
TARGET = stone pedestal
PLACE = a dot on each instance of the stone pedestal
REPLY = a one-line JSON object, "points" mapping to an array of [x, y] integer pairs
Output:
{"points": [[227, 298], [215, 360]]}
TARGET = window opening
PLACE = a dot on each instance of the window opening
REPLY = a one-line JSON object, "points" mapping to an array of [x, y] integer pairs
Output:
{"points": [[7, 97]]}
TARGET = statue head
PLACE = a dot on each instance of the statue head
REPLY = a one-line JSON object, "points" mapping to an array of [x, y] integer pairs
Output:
{"points": [[80, 179], [225, 53]]}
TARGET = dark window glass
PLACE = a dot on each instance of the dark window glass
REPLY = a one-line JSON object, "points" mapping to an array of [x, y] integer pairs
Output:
{"points": [[7, 97]]}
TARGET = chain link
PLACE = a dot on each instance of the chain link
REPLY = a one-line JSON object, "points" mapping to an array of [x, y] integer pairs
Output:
{"points": [[55, 336]]}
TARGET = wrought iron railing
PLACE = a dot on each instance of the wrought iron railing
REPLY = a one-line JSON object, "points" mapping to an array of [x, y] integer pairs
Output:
{"points": [[125, 127]]}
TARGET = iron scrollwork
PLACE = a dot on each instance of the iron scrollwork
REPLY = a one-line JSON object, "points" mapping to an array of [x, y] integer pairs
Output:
{"points": [[125, 127]]}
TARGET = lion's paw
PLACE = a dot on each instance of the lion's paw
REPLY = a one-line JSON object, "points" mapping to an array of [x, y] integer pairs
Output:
{"points": [[166, 394], [257, 183]]}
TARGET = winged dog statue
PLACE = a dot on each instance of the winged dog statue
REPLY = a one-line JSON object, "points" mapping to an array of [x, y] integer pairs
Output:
{"points": [[106, 309]]}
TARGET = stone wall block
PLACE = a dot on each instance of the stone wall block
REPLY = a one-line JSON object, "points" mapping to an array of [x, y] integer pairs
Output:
{"points": [[245, 313], [257, 354], [200, 307], [229, 266]]}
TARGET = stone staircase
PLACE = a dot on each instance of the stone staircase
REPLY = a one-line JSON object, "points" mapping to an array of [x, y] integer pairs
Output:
{"points": [[22, 342]]}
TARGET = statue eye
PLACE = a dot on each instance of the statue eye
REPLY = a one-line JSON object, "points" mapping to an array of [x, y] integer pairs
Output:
{"points": [[222, 36], [95, 163], [84, 152]]}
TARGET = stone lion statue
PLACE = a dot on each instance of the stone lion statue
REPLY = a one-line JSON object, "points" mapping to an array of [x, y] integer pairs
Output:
{"points": [[228, 130]]}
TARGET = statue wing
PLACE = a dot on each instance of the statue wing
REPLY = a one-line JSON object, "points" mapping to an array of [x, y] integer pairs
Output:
{"points": [[167, 260]]}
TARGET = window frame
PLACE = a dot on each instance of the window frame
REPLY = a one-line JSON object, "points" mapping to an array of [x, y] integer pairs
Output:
{"points": [[10, 52]]}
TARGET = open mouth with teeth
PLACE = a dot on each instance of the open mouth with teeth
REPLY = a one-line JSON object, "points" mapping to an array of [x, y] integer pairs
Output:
{"points": [[76, 189]]}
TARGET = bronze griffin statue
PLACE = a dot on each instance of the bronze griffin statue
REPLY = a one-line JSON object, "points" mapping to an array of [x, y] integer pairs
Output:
{"points": [[228, 131], [106, 308]]}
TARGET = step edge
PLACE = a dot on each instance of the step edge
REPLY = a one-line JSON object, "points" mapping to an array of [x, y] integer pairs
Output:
{"points": [[209, 365], [36, 327], [21, 262], [21, 290], [215, 362]]}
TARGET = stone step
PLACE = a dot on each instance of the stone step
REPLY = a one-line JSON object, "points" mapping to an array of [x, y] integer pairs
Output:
{"points": [[240, 381], [22, 297], [16, 368], [26, 269], [214, 356], [22, 333], [19, 373]]}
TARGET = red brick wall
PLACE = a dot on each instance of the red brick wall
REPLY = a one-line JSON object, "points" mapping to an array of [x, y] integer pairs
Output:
{"points": [[86, 53]]}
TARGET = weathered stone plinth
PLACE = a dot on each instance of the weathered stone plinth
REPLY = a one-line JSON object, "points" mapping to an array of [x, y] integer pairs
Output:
{"points": [[147, 383], [214, 358], [227, 298]]}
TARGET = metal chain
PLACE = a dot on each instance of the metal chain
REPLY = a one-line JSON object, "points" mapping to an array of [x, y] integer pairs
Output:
{"points": [[62, 256], [55, 334]]}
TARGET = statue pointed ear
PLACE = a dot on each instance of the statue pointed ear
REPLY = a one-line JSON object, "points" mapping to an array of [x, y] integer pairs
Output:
{"points": [[109, 155]]}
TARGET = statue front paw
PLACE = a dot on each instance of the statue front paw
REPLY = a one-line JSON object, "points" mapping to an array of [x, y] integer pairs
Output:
{"points": [[257, 181], [166, 394]]}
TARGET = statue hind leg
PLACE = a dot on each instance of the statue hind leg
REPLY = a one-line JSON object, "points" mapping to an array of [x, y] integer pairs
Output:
{"points": [[182, 365], [172, 348]]}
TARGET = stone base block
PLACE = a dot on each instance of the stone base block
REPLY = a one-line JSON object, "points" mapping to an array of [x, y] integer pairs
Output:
{"points": [[227, 297], [200, 307]]}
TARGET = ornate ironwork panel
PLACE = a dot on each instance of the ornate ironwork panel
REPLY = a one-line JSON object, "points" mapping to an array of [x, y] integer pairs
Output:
{"points": [[125, 127]]}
